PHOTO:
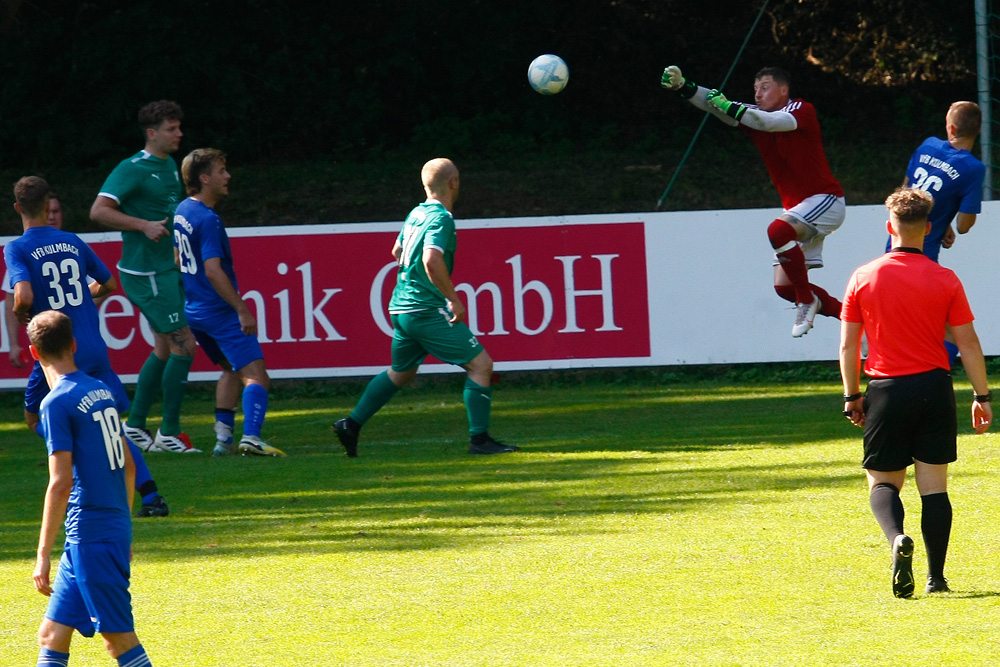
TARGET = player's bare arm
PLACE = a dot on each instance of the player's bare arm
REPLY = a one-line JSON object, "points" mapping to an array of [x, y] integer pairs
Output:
{"points": [[53, 514], [129, 479], [97, 290], [975, 369], [948, 238], [437, 271], [24, 298], [105, 211], [397, 249], [220, 281], [850, 370], [11, 321], [965, 221]]}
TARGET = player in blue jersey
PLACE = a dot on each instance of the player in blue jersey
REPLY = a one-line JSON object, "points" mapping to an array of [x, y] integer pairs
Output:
{"points": [[219, 318], [954, 177], [19, 357], [90, 472], [427, 317], [48, 271]]}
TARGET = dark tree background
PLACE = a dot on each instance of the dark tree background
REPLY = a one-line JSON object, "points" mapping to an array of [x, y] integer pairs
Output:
{"points": [[275, 83]]}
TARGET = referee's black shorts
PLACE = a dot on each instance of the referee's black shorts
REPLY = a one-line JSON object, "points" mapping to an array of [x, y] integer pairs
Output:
{"points": [[910, 417]]}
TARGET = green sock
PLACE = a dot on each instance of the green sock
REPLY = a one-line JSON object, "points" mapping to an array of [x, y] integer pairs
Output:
{"points": [[478, 403], [175, 377], [147, 387], [377, 393]]}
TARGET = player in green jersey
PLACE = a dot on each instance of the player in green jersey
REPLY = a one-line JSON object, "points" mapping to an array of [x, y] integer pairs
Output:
{"points": [[139, 198], [427, 316]]}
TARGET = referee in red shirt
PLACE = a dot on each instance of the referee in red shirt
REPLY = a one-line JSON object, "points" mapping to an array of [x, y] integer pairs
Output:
{"points": [[902, 301]]}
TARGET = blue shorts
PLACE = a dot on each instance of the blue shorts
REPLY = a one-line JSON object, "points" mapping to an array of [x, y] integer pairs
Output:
{"points": [[90, 592], [222, 338], [38, 388]]}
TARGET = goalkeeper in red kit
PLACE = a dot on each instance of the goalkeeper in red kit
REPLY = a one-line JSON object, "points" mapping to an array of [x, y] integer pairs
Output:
{"points": [[787, 134]]}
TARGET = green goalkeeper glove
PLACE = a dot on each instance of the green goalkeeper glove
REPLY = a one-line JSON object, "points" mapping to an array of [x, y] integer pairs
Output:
{"points": [[734, 110], [672, 79]]}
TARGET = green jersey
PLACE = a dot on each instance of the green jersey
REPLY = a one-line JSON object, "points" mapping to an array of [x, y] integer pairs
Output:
{"points": [[429, 225], [146, 187]]}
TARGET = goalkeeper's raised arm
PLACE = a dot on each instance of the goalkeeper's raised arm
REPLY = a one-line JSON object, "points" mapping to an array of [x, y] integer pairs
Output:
{"points": [[766, 119]]}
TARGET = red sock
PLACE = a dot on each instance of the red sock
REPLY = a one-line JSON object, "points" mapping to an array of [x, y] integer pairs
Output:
{"points": [[783, 239], [793, 263], [786, 292], [829, 306]]}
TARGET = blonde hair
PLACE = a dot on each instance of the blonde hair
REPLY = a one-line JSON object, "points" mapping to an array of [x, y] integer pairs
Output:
{"points": [[198, 162], [909, 205]]}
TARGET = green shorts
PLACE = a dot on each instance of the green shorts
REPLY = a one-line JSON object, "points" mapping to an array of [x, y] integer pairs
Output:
{"points": [[417, 334], [160, 297]]}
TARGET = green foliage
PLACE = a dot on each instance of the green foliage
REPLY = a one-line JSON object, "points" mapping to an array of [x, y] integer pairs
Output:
{"points": [[345, 79]]}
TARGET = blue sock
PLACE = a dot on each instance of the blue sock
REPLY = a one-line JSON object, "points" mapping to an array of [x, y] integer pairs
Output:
{"points": [[254, 408], [134, 657], [50, 658], [227, 417]]}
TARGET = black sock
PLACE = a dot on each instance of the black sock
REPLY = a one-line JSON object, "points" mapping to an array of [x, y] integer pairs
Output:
{"points": [[147, 488], [935, 523], [479, 438], [888, 509], [353, 426]]}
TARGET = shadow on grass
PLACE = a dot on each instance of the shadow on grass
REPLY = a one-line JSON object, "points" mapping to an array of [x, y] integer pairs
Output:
{"points": [[968, 595], [591, 465]]}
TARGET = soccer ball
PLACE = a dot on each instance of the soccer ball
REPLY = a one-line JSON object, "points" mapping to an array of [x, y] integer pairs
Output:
{"points": [[548, 74]]}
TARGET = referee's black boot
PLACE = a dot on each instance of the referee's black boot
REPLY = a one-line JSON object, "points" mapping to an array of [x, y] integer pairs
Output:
{"points": [[902, 566], [936, 585]]}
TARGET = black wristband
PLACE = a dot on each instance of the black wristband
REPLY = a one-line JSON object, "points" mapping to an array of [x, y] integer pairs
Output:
{"points": [[736, 111], [982, 398], [687, 89], [852, 397]]}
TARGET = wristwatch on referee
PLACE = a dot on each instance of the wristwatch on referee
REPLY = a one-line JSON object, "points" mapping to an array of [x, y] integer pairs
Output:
{"points": [[982, 398]]}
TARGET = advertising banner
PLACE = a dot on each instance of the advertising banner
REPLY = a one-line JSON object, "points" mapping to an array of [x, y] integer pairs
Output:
{"points": [[642, 289], [536, 293]]}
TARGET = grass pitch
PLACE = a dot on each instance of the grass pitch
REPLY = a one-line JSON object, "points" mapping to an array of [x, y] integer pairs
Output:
{"points": [[708, 523]]}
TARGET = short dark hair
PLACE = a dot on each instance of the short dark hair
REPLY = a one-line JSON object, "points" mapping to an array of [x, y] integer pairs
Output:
{"points": [[967, 117], [51, 333], [32, 193], [198, 162], [780, 76], [909, 205], [154, 113]]}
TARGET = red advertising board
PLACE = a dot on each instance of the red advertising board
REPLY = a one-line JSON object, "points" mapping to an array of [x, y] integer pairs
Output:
{"points": [[534, 293]]}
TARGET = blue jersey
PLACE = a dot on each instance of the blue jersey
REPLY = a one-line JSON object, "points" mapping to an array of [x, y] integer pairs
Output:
{"points": [[57, 264], [200, 235], [79, 416], [953, 177]]}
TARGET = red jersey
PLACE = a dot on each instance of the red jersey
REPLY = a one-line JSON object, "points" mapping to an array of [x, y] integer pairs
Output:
{"points": [[904, 299], [796, 160]]}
